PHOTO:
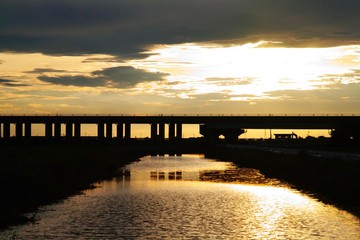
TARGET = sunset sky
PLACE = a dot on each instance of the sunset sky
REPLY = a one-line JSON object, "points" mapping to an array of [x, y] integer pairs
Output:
{"points": [[179, 57]]}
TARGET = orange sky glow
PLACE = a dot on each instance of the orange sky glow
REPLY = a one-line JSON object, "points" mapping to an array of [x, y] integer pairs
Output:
{"points": [[188, 57]]}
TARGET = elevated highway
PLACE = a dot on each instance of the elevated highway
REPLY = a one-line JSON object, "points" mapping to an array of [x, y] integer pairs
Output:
{"points": [[211, 126]]}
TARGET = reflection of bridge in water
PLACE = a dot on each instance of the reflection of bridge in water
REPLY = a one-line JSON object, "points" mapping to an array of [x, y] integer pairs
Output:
{"points": [[243, 175], [161, 175], [343, 128]]}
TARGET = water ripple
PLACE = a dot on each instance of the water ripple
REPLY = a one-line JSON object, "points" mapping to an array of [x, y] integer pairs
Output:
{"points": [[207, 202]]}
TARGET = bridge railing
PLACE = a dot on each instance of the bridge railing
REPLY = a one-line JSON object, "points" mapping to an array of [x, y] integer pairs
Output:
{"points": [[187, 115]]}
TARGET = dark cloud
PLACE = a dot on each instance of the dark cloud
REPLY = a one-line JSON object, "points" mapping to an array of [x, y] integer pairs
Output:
{"points": [[101, 59], [81, 81], [11, 83], [125, 76], [115, 77], [125, 28], [45, 70]]}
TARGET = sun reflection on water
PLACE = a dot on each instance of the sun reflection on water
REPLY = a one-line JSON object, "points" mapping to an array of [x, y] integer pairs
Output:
{"points": [[150, 202], [268, 193], [279, 210]]}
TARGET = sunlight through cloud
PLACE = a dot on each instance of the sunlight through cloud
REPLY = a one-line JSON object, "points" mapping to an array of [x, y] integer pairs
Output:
{"points": [[248, 69]]}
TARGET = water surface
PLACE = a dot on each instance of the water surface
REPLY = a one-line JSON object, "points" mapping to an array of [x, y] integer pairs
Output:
{"points": [[189, 197]]}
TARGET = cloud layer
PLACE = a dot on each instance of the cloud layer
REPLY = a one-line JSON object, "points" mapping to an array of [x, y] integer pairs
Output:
{"points": [[115, 77], [11, 83], [126, 28]]}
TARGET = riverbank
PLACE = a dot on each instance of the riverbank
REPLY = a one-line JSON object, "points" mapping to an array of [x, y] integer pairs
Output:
{"points": [[32, 175], [331, 180], [38, 174]]}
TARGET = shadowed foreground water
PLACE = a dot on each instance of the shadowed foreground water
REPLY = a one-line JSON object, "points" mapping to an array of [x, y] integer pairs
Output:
{"points": [[189, 197]]}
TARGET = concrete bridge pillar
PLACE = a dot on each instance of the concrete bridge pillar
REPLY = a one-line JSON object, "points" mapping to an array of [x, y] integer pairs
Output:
{"points": [[19, 130], [77, 131], [120, 131], [28, 130], [154, 135], [57, 130], [213, 137], [178, 131], [171, 131], [109, 130], [48, 130], [101, 131], [231, 137], [127, 131], [69, 130], [161, 131], [213, 132], [6, 131]]}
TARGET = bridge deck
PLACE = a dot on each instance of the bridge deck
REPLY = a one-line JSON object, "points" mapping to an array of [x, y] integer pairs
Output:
{"points": [[246, 122]]}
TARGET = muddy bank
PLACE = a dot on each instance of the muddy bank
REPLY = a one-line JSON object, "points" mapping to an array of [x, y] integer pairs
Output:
{"points": [[34, 175], [332, 181]]}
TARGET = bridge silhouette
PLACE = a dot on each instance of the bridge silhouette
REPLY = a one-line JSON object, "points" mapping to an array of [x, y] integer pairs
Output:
{"points": [[343, 128]]}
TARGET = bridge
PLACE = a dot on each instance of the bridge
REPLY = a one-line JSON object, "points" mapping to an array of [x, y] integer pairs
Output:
{"points": [[342, 128]]}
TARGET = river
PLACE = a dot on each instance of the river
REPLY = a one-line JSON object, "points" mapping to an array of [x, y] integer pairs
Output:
{"points": [[189, 197]]}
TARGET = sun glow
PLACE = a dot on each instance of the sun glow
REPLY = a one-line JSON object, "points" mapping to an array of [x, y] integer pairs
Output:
{"points": [[249, 69], [185, 78]]}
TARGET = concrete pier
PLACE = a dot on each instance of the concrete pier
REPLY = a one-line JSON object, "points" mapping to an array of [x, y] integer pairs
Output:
{"points": [[6, 132], [178, 131], [109, 131], [19, 130], [154, 129], [127, 131], [69, 131], [161, 131], [101, 131], [120, 131], [57, 130], [172, 132], [48, 130], [77, 132], [28, 133]]}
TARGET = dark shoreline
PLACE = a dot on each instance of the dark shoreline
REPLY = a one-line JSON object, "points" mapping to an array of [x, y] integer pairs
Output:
{"points": [[330, 180], [39, 174], [32, 175]]}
